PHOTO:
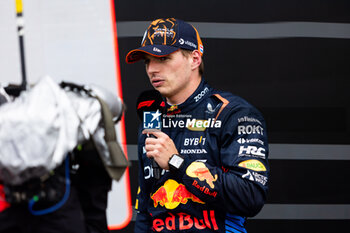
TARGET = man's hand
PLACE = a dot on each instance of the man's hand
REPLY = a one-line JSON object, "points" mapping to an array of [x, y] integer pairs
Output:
{"points": [[160, 148]]}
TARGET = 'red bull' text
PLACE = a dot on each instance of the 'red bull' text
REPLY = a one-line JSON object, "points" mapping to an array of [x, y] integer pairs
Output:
{"points": [[204, 189], [184, 221]]}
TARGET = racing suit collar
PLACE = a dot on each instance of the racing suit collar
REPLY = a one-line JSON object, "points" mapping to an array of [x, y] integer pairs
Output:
{"points": [[192, 102]]}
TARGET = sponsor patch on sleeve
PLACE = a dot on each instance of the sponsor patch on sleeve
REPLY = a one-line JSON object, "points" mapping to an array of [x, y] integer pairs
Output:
{"points": [[253, 164]]}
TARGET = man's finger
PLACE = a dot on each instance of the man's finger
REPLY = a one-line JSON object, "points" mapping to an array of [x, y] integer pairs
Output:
{"points": [[151, 141], [157, 133], [150, 131]]}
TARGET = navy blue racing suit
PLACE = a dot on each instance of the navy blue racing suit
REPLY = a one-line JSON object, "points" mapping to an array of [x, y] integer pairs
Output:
{"points": [[224, 177]]}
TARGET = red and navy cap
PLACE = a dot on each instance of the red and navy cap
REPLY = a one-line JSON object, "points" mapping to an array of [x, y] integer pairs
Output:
{"points": [[165, 36]]}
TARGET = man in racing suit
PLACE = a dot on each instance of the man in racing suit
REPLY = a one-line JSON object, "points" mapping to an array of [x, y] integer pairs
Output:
{"points": [[212, 147]]}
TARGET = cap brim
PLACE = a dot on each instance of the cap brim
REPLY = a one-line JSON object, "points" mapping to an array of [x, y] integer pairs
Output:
{"points": [[154, 50]]}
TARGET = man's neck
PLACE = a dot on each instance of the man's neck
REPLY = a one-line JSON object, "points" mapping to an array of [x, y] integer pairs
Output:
{"points": [[184, 94]]}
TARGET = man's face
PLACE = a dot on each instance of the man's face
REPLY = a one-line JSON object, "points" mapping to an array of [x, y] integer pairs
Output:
{"points": [[169, 75]]}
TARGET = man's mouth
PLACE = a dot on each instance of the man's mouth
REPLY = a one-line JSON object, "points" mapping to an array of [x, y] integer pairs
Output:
{"points": [[157, 82]]}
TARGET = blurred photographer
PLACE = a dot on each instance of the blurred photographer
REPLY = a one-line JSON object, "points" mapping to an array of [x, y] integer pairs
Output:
{"points": [[57, 161]]}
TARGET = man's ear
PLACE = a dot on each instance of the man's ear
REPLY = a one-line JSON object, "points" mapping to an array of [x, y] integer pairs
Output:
{"points": [[196, 59]]}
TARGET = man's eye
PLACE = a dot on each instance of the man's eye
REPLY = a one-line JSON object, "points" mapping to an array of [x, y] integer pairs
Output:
{"points": [[163, 58]]}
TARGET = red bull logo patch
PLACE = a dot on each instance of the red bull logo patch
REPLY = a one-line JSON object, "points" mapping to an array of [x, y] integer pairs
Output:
{"points": [[172, 194], [200, 171], [172, 110]]}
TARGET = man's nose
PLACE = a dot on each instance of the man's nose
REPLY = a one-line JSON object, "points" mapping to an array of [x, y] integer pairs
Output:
{"points": [[152, 66]]}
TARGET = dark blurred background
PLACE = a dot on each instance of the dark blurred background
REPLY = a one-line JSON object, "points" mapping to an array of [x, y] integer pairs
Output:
{"points": [[291, 60]]}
